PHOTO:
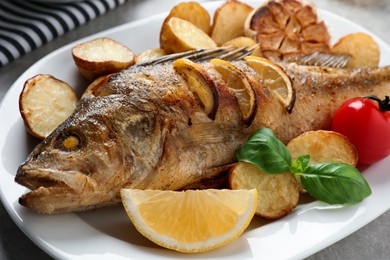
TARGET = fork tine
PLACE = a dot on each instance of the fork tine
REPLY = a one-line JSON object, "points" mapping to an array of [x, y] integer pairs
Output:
{"points": [[212, 55], [226, 52], [197, 54], [233, 53], [171, 57], [248, 51], [238, 53], [321, 59]]}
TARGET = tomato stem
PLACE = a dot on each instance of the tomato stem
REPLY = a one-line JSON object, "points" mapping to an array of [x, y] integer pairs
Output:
{"points": [[384, 105]]}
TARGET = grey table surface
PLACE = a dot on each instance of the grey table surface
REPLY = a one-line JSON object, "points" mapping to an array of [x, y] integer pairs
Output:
{"points": [[370, 242]]}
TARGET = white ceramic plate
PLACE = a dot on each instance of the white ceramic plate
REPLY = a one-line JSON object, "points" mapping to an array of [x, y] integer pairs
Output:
{"points": [[107, 233]]}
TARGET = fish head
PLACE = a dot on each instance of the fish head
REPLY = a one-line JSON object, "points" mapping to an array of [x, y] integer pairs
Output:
{"points": [[85, 161]]}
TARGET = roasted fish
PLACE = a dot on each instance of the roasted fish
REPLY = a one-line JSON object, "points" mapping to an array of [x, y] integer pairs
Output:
{"points": [[144, 128]]}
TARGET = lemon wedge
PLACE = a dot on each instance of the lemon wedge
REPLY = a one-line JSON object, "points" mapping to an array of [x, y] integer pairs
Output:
{"points": [[275, 78], [190, 221]]}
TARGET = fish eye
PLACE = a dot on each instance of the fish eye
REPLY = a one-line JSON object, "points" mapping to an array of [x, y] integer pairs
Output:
{"points": [[69, 141]]}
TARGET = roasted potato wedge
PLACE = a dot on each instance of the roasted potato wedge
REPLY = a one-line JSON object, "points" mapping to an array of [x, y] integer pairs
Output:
{"points": [[101, 56], [228, 22], [149, 55], [44, 103], [243, 41], [194, 13], [323, 146], [363, 48], [178, 35], [278, 194]]}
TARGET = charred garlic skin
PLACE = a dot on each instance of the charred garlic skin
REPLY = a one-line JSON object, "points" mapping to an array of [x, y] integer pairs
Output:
{"points": [[287, 27]]}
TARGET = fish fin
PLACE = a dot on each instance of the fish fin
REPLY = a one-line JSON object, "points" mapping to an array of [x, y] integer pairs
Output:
{"points": [[320, 59], [218, 179], [226, 53], [202, 133]]}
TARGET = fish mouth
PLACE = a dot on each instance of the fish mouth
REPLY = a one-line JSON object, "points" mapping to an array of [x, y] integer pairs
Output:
{"points": [[34, 178], [52, 191]]}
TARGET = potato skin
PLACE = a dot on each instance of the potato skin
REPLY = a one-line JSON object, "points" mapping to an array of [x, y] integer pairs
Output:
{"points": [[363, 48], [49, 111], [92, 68], [322, 146], [174, 39], [243, 41], [194, 13], [149, 54], [228, 22], [278, 194]]}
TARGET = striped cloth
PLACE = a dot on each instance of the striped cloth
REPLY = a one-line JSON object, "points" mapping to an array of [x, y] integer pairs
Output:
{"points": [[28, 24]]}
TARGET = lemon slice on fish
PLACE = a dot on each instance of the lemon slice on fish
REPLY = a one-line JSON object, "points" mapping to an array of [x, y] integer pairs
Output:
{"points": [[200, 83], [275, 78], [190, 221], [239, 85]]}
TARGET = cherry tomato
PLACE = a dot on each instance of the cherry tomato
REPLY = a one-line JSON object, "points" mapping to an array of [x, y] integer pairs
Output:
{"points": [[366, 122]]}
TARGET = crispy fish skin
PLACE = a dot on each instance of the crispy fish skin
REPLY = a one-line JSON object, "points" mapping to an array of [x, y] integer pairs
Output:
{"points": [[145, 129], [319, 92]]}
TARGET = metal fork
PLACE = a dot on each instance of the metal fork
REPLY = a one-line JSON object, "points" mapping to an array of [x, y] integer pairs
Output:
{"points": [[233, 53]]}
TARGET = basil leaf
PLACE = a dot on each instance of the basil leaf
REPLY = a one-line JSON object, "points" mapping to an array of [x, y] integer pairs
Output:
{"points": [[265, 151], [335, 183], [299, 165]]}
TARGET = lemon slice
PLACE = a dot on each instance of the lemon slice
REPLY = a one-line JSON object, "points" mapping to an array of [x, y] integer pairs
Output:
{"points": [[274, 77], [190, 221], [239, 85], [200, 83]]}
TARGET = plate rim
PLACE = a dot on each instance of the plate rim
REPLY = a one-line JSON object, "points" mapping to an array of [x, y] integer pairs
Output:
{"points": [[56, 253]]}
